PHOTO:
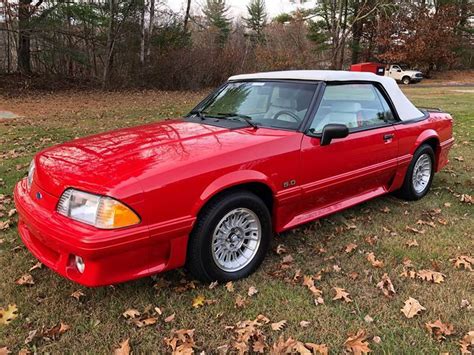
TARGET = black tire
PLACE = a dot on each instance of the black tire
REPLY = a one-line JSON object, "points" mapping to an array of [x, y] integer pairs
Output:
{"points": [[200, 261], [407, 191], [406, 80]]}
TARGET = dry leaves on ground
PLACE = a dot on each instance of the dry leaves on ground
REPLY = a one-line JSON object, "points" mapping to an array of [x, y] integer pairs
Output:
{"points": [[252, 291], [181, 341], [8, 314], [463, 262], [373, 261], [350, 247], [229, 286], [467, 343], [430, 275], [341, 294], [278, 326], [439, 329], [386, 286], [308, 281], [412, 307], [26, 279], [78, 294], [357, 344], [124, 348]]}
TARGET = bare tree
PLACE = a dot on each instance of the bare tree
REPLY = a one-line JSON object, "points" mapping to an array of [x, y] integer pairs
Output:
{"points": [[187, 15]]}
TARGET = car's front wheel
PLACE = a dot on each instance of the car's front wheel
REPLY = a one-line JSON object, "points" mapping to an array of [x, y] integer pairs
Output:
{"points": [[406, 80], [419, 175], [230, 239]]}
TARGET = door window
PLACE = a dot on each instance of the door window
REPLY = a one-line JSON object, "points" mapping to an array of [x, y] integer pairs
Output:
{"points": [[358, 106]]}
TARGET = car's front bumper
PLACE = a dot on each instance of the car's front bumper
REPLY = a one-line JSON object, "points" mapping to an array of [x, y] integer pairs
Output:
{"points": [[111, 256]]}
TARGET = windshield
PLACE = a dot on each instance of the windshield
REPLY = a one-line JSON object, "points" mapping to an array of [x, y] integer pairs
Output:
{"points": [[264, 103]]}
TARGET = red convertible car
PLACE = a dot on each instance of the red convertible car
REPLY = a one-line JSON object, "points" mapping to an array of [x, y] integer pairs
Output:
{"points": [[264, 153]]}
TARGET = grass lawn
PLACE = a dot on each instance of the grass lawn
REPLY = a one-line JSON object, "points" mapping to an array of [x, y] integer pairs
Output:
{"points": [[317, 249]]}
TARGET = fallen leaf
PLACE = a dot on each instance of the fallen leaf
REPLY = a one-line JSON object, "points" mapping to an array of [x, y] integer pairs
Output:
{"points": [[412, 307], [357, 344], [353, 275], [368, 319], [304, 324], [12, 212], [229, 286], [124, 348], [213, 285], [412, 243], [4, 351], [131, 313], [170, 318], [467, 198], [4, 225], [386, 286], [447, 204], [140, 323], [459, 158], [278, 326], [386, 209], [56, 331], [429, 275], [77, 294], [252, 291], [9, 314], [38, 265], [439, 329], [414, 230], [280, 249], [466, 304], [26, 279], [350, 247], [341, 294], [240, 301], [181, 341], [287, 259], [463, 261], [467, 343], [198, 301], [377, 339], [375, 263], [318, 348]]}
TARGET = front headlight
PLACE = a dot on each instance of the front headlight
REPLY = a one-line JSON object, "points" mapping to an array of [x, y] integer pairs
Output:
{"points": [[31, 172], [99, 211]]}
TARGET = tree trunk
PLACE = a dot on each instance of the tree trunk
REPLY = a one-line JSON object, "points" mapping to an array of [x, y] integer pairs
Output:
{"points": [[357, 28], [150, 28], [110, 46], [142, 35], [24, 32], [186, 16]]}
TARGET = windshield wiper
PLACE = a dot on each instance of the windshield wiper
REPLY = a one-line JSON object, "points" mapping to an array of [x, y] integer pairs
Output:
{"points": [[199, 114], [233, 115]]}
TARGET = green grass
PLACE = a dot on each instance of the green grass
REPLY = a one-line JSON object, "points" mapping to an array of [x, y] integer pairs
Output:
{"points": [[96, 322]]}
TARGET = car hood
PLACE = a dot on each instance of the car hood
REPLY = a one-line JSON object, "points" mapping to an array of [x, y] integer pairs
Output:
{"points": [[112, 162]]}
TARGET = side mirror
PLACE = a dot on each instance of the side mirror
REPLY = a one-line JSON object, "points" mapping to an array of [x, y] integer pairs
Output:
{"points": [[332, 131]]}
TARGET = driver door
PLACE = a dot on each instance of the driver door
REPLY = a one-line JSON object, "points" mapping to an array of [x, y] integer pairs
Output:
{"points": [[355, 168], [396, 72]]}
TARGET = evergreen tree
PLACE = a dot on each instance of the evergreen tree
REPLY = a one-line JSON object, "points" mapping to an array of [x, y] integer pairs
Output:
{"points": [[257, 18], [217, 17]]}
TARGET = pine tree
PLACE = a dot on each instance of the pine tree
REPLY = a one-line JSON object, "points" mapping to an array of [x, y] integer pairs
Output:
{"points": [[216, 13], [257, 18]]}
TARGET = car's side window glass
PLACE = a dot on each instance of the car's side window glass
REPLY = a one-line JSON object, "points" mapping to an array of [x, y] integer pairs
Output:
{"points": [[358, 106]]}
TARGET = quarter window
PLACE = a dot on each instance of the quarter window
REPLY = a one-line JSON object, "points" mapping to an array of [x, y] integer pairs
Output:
{"points": [[358, 106]]}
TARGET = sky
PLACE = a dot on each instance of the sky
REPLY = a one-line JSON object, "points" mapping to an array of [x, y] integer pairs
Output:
{"points": [[238, 7]]}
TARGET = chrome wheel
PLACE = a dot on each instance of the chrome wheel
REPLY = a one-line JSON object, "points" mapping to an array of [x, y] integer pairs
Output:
{"points": [[236, 239], [422, 173]]}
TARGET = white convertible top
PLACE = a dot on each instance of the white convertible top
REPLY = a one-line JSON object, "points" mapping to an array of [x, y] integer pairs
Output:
{"points": [[405, 109]]}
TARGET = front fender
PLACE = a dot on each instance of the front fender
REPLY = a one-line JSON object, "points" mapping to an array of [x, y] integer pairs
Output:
{"points": [[230, 180]]}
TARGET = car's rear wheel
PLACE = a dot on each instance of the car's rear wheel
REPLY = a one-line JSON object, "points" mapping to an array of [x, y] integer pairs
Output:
{"points": [[230, 239], [420, 173], [406, 80]]}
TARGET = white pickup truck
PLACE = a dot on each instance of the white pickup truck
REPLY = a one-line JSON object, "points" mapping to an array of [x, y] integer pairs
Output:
{"points": [[400, 73]]}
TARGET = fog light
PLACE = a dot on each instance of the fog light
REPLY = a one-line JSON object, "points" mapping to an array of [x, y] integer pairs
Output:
{"points": [[80, 265]]}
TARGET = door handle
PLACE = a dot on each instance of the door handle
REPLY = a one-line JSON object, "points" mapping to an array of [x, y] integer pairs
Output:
{"points": [[388, 137]]}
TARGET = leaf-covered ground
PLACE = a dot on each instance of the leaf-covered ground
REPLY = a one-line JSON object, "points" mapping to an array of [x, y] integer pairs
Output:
{"points": [[381, 275]]}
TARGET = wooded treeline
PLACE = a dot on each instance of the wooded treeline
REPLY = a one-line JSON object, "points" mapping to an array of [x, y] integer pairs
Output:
{"points": [[117, 43]]}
